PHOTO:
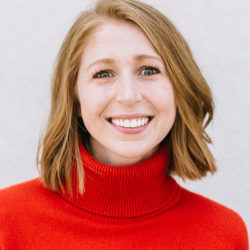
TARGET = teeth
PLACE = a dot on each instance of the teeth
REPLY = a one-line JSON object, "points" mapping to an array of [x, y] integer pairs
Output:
{"points": [[133, 123]]}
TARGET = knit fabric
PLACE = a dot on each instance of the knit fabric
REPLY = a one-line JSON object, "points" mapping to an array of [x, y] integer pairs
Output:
{"points": [[123, 207]]}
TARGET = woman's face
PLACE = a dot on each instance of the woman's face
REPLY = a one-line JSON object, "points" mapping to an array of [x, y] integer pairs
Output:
{"points": [[126, 98]]}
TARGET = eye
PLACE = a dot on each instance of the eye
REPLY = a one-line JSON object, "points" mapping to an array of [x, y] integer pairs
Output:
{"points": [[150, 70], [102, 74]]}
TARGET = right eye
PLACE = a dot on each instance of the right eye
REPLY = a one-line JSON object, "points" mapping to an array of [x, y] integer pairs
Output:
{"points": [[102, 74]]}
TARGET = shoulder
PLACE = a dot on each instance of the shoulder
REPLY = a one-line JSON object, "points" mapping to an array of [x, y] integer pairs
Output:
{"points": [[20, 192], [22, 198], [203, 204], [26, 207], [218, 217]]}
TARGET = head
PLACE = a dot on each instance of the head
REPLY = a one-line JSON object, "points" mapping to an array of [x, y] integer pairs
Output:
{"points": [[122, 75], [179, 101]]}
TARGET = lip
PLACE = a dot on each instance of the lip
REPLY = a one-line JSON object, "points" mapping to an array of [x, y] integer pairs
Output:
{"points": [[131, 130]]}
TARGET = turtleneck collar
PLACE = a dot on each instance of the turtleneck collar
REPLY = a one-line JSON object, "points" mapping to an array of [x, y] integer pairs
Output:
{"points": [[125, 191]]}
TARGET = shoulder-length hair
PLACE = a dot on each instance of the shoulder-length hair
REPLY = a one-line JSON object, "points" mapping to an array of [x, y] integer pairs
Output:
{"points": [[58, 146]]}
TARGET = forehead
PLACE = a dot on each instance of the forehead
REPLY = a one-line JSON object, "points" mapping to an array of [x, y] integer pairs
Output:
{"points": [[117, 39]]}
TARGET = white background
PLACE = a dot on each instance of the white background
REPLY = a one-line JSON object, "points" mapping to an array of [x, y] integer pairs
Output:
{"points": [[218, 34]]}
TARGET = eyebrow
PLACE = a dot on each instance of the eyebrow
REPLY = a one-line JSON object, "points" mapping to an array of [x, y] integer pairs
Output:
{"points": [[112, 61]]}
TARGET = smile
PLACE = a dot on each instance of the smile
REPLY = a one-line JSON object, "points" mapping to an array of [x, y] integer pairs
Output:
{"points": [[130, 123], [134, 125]]}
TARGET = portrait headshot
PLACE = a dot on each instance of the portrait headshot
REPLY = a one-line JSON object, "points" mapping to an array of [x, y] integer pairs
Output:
{"points": [[125, 125]]}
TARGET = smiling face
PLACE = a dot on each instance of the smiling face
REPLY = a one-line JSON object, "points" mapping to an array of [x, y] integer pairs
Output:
{"points": [[126, 98]]}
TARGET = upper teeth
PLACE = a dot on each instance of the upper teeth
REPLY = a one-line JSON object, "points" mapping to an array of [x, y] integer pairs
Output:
{"points": [[133, 123]]}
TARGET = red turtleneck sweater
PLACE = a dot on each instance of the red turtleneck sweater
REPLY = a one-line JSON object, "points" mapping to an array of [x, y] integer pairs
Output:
{"points": [[124, 207]]}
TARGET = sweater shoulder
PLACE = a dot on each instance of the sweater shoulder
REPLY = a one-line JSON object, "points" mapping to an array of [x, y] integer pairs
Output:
{"points": [[226, 221], [207, 204], [21, 197], [19, 191]]}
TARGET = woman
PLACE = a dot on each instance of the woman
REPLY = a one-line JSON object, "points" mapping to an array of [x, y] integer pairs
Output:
{"points": [[129, 110]]}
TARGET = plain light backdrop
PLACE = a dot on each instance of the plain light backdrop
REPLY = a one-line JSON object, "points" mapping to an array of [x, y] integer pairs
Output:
{"points": [[218, 34]]}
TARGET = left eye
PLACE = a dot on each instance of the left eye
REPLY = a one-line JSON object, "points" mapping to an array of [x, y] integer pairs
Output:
{"points": [[150, 71]]}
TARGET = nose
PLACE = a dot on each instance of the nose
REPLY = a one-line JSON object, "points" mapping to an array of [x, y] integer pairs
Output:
{"points": [[128, 91]]}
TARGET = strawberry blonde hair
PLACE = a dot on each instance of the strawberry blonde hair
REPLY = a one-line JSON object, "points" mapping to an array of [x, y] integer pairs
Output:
{"points": [[58, 146]]}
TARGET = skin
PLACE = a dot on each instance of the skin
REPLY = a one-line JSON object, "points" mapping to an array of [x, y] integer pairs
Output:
{"points": [[123, 85]]}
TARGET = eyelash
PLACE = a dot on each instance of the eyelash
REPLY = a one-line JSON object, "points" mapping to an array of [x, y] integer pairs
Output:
{"points": [[154, 68]]}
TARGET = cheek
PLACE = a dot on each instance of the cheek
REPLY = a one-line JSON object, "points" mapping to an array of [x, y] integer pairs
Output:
{"points": [[163, 99], [167, 112], [92, 103]]}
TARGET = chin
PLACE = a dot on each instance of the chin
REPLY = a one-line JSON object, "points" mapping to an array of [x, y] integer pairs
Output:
{"points": [[131, 153]]}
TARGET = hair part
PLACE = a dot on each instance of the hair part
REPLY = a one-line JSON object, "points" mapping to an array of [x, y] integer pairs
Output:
{"points": [[58, 146]]}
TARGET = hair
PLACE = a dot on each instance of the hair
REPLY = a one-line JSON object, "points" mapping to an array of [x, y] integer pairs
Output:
{"points": [[58, 145]]}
